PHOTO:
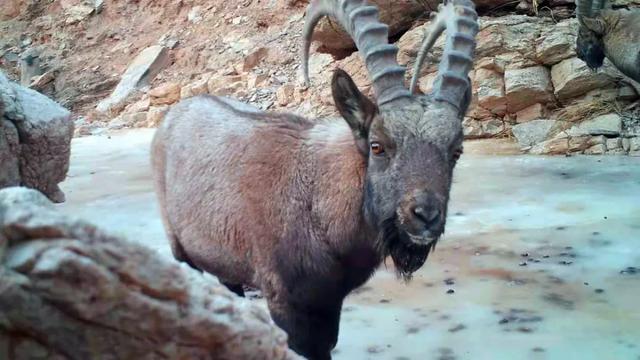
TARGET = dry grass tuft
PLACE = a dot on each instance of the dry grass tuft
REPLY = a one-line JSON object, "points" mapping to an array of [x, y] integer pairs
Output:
{"points": [[585, 110]]}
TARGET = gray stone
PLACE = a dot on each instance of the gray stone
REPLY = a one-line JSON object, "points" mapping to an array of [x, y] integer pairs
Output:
{"points": [[29, 66], [634, 146], [572, 78], [532, 132], [597, 149], [139, 73], [45, 130], [9, 154], [80, 292], [557, 43], [528, 86], [614, 144], [609, 124]]}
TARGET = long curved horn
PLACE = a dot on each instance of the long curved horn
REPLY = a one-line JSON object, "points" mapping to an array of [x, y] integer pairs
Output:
{"points": [[460, 19], [583, 8], [371, 37]]}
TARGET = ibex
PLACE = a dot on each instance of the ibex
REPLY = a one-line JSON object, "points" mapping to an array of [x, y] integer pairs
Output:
{"points": [[307, 210], [614, 34]]}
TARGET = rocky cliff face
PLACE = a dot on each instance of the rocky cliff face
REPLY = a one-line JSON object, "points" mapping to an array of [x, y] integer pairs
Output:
{"points": [[527, 82], [35, 140], [69, 290]]}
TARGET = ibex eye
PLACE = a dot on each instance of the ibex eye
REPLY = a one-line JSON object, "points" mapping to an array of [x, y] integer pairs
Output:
{"points": [[377, 148]]}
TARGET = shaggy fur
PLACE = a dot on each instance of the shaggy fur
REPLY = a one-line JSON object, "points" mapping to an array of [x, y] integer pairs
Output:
{"points": [[298, 208], [306, 210]]}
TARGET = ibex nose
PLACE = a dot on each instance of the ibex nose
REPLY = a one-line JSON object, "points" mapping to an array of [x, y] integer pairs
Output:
{"points": [[428, 215], [424, 216]]}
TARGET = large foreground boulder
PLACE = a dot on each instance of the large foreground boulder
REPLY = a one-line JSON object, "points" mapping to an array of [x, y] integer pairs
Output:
{"points": [[35, 140], [71, 291]]}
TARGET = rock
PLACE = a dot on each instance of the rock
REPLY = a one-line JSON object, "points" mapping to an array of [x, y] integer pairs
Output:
{"points": [[399, 15], [598, 149], [557, 43], [528, 86], [195, 14], [155, 115], [138, 106], [533, 112], [11, 9], [572, 78], [253, 59], [256, 80], [165, 94], [9, 153], [284, 95], [45, 130], [39, 83], [626, 144], [581, 143], [425, 83], [492, 127], [217, 84], [29, 66], [196, 88], [77, 13], [228, 90], [609, 124], [614, 144], [532, 132], [139, 73], [490, 89], [137, 119], [634, 146], [555, 146], [82, 293]]}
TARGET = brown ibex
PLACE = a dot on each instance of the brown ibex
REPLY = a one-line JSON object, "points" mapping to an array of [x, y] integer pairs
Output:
{"points": [[614, 34], [306, 210]]}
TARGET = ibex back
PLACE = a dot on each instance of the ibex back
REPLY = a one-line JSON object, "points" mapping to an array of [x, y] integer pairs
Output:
{"points": [[306, 210]]}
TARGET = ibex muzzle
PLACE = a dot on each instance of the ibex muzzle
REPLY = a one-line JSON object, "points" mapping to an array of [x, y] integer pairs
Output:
{"points": [[306, 210]]}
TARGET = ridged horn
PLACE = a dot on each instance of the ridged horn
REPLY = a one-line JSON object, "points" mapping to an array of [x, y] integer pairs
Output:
{"points": [[371, 37], [460, 19], [583, 9], [596, 6]]}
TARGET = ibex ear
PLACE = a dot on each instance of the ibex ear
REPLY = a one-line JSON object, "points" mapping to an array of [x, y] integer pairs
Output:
{"points": [[356, 109], [596, 25]]}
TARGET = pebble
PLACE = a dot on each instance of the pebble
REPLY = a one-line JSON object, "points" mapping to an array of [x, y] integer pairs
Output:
{"points": [[449, 281], [599, 291], [523, 264], [631, 270], [450, 291]]}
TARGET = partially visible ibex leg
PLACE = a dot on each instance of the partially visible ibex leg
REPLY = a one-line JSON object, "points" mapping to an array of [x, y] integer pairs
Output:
{"points": [[312, 329]]}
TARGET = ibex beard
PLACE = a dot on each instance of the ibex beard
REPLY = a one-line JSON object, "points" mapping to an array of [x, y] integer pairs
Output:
{"points": [[307, 210]]}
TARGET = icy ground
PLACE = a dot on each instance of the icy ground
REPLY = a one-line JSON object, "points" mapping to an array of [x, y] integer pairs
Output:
{"points": [[538, 260]]}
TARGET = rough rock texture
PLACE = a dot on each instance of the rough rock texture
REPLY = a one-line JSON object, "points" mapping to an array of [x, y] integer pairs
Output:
{"points": [[525, 70], [141, 70], [35, 140], [399, 15], [71, 291], [532, 132]]}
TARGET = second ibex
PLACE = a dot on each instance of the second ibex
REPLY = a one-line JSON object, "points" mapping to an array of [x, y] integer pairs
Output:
{"points": [[307, 210], [611, 33]]}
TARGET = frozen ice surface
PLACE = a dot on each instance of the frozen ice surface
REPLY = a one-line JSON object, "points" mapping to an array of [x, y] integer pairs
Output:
{"points": [[533, 251]]}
